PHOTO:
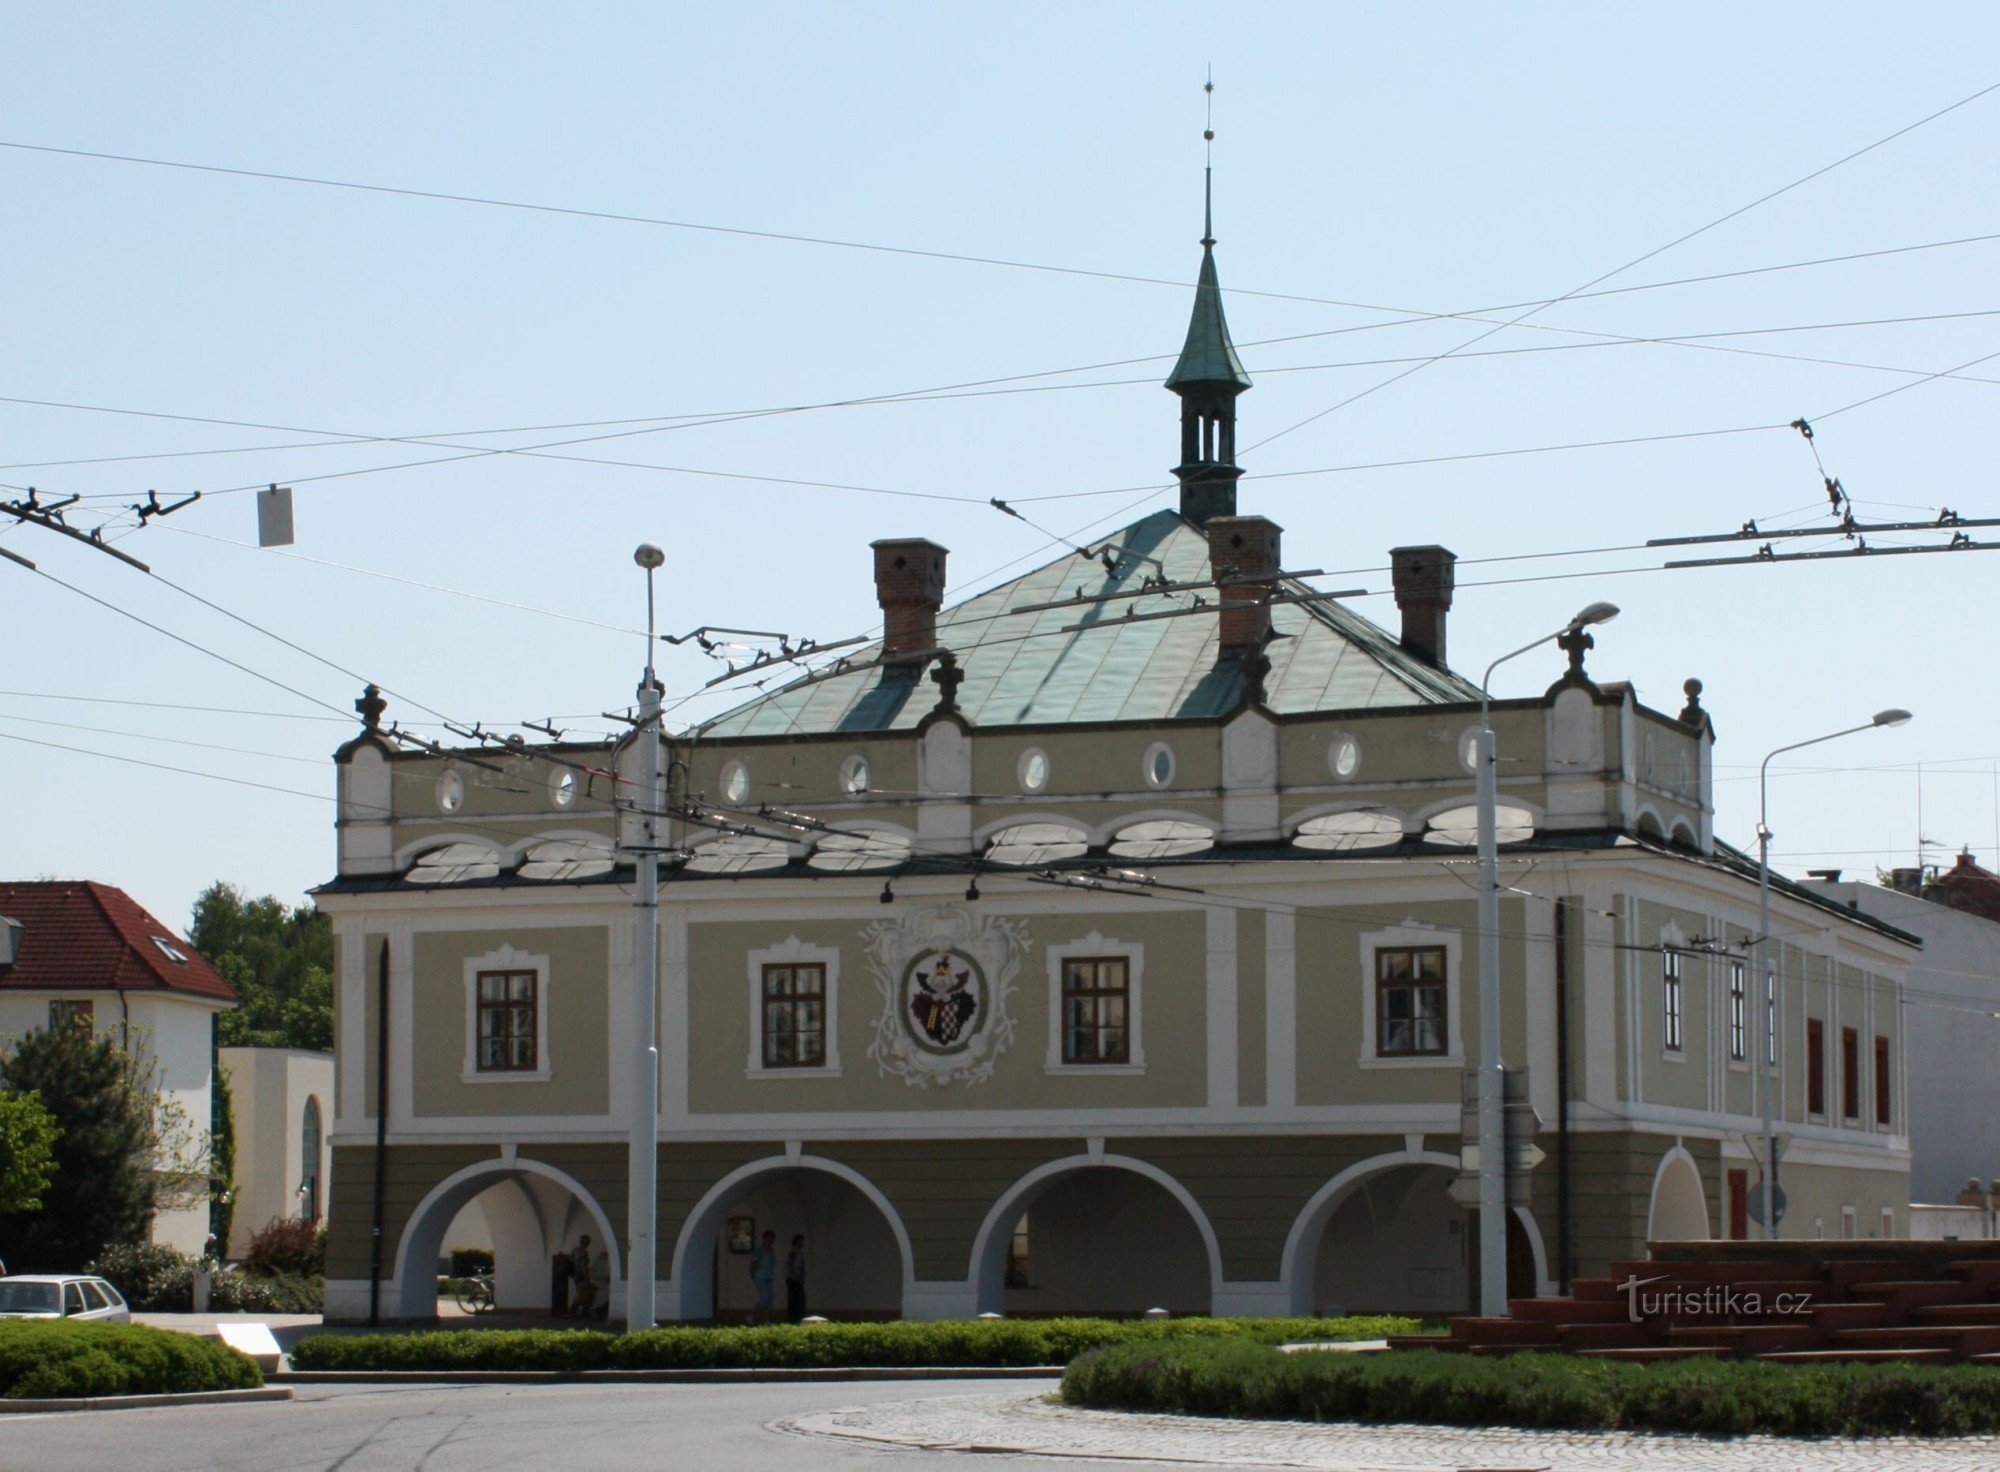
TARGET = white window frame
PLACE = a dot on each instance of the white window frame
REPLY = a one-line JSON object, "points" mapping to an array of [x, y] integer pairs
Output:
{"points": [[1673, 1001], [794, 952], [1738, 972], [1396, 937], [506, 959], [1098, 947]]}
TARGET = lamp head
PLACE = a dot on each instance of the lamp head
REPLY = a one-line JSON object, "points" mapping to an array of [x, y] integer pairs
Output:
{"points": [[649, 556], [1596, 613], [1891, 718]]}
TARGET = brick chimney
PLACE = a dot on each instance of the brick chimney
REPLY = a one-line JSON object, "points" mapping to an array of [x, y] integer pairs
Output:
{"points": [[1423, 578], [1244, 547], [909, 585]]}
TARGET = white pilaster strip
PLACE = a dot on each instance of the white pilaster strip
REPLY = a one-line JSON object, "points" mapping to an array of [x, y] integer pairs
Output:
{"points": [[1221, 1007], [676, 1047], [351, 1098], [1281, 1009]]}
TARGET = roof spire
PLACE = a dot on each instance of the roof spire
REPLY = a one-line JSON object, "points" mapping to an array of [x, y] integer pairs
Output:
{"points": [[1208, 166], [1208, 375]]}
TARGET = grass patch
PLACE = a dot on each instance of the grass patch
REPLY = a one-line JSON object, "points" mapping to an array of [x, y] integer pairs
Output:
{"points": [[1709, 1397], [43, 1361], [954, 1343]]}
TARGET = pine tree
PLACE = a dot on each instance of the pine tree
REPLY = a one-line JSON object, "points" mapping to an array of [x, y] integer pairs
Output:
{"points": [[103, 1191]]}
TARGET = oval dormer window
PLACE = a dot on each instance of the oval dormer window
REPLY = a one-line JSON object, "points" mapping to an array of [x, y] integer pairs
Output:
{"points": [[735, 782], [562, 788], [450, 790], [854, 775], [1343, 756], [1158, 767], [1034, 769]]}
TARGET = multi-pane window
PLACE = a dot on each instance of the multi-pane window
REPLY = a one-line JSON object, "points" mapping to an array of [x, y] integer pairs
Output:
{"points": [[1815, 1066], [508, 1014], [1739, 1023], [795, 1016], [1770, 1019], [1096, 1010], [1881, 1080], [1850, 1073], [1670, 997], [71, 1014], [1409, 1001]]}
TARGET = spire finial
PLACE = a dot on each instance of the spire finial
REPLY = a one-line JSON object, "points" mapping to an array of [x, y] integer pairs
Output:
{"points": [[1208, 164]]}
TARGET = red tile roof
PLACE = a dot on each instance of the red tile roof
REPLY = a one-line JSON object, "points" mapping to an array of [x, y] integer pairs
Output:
{"points": [[79, 933]]}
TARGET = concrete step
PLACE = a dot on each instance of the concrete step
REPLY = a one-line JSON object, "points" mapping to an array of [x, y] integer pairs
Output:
{"points": [[1596, 1290], [1475, 1331], [1872, 1315], [1576, 1338], [1746, 1339], [1959, 1339], [1645, 1354], [1569, 1311], [1844, 1276], [1954, 1313], [1904, 1295], [1863, 1356]]}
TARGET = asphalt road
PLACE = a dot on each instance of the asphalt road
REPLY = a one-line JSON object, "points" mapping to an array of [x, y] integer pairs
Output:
{"points": [[444, 1428]]}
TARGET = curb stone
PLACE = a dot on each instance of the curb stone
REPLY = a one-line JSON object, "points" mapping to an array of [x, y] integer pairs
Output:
{"points": [[752, 1376], [143, 1402]]}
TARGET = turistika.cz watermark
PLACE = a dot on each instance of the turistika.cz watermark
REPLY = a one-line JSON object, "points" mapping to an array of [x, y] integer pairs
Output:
{"points": [[1707, 1301]]}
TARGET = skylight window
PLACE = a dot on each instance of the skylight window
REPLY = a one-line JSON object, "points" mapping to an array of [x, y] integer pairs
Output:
{"points": [[1345, 832], [1459, 827], [567, 859], [171, 951], [740, 854], [843, 853], [1162, 838], [1037, 843], [455, 863]]}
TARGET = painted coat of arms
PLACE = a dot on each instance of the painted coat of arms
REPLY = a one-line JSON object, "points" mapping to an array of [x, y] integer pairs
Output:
{"points": [[945, 976]]}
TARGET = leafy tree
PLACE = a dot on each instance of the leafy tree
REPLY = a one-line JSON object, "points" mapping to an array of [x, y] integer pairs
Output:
{"points": [[279, 960], [222, 1157], [104, 1189], [28, 1134]]}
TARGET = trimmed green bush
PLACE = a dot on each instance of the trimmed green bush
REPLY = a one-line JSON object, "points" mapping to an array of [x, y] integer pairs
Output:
{"points": [[1709, 1397], [53, 1360], [161, 1280], [956, 1343]]}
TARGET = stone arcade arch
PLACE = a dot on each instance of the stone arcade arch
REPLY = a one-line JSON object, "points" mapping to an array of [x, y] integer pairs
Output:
{"points": [[858, 1254], [528, 1225], [1115, 1202], [1679, 1208], [1389, 1215]]}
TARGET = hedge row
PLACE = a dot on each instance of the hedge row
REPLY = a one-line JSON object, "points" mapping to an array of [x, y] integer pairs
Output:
{"points": [[49, 1360], [951, 1343], [159, 1279], [1710, 1397]]}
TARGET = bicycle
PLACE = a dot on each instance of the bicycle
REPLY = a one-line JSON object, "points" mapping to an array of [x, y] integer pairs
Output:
{"points": [[474, 1295]]}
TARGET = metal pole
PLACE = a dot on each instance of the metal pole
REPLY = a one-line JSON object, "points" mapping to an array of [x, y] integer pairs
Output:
{"points": [[1492, 1138], [643, 1152], [1492, 1143], [1769, 1001], [1768, 963]]}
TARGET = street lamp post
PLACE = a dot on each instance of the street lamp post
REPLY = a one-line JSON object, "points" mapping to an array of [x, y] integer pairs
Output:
{"points": [[1491, 1077], [643, 1148], [1768, 964]]}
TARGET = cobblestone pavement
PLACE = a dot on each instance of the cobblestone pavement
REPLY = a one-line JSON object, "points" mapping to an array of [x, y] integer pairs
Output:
{"points": [[1010, 1421]]}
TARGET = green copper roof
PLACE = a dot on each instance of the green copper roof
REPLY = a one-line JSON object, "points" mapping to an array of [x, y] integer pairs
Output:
{"points": [[1208, 356], [1021, 669]]}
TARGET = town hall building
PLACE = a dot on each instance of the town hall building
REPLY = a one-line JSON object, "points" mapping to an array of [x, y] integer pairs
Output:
{"points": [[1101, 942]]}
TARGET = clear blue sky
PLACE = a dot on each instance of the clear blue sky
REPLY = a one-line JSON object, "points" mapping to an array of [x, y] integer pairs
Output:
{"points": [[1434, 159]]}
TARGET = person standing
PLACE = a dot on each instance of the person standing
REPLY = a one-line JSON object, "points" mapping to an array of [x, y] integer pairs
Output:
{"points": [[795, 1280], [583, 1271], [763, 1269]]}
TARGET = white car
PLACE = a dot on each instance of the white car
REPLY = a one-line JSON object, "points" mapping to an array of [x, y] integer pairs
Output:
{"points": [[62, 1296]]}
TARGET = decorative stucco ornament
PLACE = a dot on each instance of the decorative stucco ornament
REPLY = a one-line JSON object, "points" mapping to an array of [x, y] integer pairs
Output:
{"points": [[945, 976]]}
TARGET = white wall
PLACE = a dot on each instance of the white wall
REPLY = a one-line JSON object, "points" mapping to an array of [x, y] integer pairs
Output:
{"points": [[1950, 1040], [269, 1088]]}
